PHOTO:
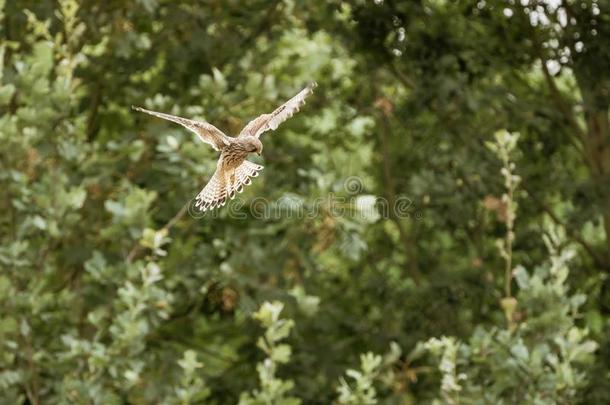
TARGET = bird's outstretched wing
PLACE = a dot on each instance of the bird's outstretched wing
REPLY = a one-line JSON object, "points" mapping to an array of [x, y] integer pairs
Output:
{"points": [[271, 121], [207, 132]]}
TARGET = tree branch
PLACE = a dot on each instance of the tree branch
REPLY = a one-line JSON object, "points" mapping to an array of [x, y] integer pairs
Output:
{"points": [[92, 126], [137, 248], [405, 80], [391, 194], [563, 106], [597, 258]]}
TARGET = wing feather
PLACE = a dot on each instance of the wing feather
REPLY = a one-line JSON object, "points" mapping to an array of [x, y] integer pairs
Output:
{"points": [[207, 132], [271, 121]]}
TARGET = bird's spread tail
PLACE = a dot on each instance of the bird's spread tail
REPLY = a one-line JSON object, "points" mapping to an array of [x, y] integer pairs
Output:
{"points": [[222, 187], [243, 175]]}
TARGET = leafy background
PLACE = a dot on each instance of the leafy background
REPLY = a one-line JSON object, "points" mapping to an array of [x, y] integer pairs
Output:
{"points": [[491, 286]]}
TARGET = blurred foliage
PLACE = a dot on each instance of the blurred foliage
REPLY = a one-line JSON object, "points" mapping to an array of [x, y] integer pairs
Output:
{"points": [[273, 390], [382, 214]]}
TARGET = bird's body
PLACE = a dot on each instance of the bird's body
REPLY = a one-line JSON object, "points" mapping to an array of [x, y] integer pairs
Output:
{"points": [[233, 171]]}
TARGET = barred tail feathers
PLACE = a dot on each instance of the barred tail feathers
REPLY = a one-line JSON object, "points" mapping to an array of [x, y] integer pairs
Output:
{"points": [[221, 188], [214, 194]]}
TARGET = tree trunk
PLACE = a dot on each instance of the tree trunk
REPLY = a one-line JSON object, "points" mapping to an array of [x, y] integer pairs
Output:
{"points": [[596, 139]]}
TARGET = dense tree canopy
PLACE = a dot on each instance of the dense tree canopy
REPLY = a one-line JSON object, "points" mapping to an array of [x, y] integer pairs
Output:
{"points": [[434, 225]]}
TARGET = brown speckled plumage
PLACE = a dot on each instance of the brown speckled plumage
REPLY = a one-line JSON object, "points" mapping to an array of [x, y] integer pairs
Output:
{"points": [[233, 171]]}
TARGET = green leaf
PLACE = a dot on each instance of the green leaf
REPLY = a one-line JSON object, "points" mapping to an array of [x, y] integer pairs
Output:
{"points": [[520, 351], [6, 93], [281, 353]]}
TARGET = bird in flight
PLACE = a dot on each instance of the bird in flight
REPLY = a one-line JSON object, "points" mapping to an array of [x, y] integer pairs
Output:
{"points": [[233, 171]]}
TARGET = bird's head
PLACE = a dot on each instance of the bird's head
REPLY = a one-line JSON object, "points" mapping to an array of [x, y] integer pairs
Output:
{"points": [[254, 145]]}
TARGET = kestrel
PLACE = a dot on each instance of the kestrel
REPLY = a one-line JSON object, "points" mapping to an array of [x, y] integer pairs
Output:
{"points": [[233, 171]]}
